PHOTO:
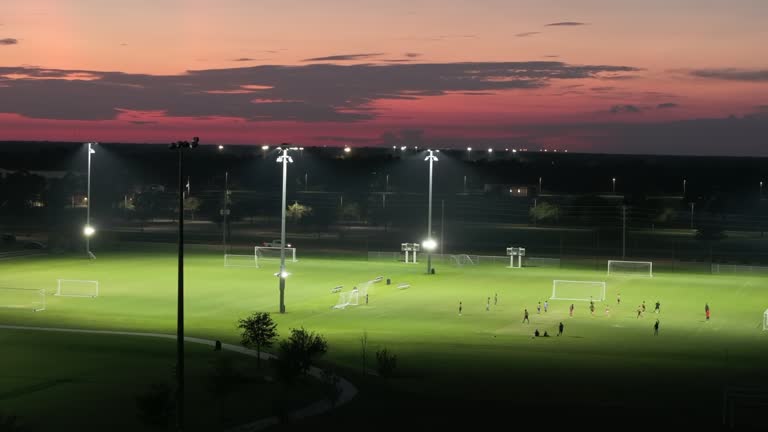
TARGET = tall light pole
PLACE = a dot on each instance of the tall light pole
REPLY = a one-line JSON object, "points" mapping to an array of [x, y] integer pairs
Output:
{"points": [[180, 147], [614, 185], [225, 209], [429, 243], [285, 159], [761, 190], [692, 206], [684, 186], [539, 185], [623, 232], [89, 230]]}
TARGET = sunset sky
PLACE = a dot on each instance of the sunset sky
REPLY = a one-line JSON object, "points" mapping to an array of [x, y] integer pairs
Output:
{"points": [[652, 76]]}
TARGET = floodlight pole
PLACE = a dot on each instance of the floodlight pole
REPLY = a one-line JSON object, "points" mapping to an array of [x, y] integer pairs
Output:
{"points": [[226, 210], [180, 146], [88, 206], [285, 159], [431, 158], [623, 232]]}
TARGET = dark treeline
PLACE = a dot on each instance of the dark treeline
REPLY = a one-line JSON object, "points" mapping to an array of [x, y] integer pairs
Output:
{"points": [[482, 199]]}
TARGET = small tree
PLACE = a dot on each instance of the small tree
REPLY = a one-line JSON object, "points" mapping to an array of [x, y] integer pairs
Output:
{"points": [[299, 351], [296, 212], [545, 212], [258, 331], [387, 362]]}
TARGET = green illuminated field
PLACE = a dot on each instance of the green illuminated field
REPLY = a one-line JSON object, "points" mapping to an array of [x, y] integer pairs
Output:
{"points": [[602, 361]]}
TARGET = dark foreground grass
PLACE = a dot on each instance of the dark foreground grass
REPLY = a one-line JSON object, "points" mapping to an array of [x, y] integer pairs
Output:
{"points": [[474, 367]]}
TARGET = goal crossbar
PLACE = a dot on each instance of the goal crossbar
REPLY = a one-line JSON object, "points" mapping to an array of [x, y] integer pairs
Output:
{"points": [[596, 290], [272, 253], [77, 288]]}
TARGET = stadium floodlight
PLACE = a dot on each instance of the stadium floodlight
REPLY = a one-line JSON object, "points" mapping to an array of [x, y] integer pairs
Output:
{"points": [[431, 158], [614, 184], [221, 147], [285, 159], [181, 147], [347, 149], [429, 245], [88, 227], [403, 148], [490, 150], [265, 147]]}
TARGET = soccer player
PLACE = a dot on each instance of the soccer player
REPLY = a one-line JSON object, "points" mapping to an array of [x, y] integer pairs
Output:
{"points": [[658, 305], [706, 310], [536, 333], [525, 318], [607, 310], [592, 308], [571, 309], [459, 308], [643, 306], [639, 311], [495, 299], [488, 304], [656, 328], [366, 298], [560, 329], [618, 298], [546, 306], [538, 308]]}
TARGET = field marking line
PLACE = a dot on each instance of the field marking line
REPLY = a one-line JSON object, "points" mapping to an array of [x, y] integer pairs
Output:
{"points": [[348, 390]]}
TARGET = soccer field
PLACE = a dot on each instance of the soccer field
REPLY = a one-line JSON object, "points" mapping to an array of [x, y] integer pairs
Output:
{"points": [[603, 360]]}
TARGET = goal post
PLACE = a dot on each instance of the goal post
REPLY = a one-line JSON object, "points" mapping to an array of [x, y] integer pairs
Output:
{"points": [[765, 320], [273, 253], [461, 260], [630, 268], [77, 288], [578, 290], [22, 298], [349, 298], [231, 260]]}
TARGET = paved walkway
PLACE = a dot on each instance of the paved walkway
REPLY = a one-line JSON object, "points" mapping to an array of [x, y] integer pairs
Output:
{"points": [[348, 390]]}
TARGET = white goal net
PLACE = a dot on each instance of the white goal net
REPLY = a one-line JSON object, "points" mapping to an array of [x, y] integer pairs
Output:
{"points": [[462, 260], [273, 253], [77, 288], [630, 268], [20, 298], [240, 260], [765, 320], [349, 298], [578, 290]]}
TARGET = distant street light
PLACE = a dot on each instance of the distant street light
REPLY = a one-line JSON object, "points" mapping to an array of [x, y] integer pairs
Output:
{"points": [[614, 185], [89, 230], [285, 159], [429, 243], [347, 149], [180, 147], [221, 147]]}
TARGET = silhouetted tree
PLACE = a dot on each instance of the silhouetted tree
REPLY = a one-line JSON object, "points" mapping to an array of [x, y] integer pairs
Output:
{"points": [[259, 331]]}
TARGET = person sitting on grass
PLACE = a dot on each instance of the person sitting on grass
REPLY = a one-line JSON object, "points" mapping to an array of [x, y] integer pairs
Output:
{"points": [[536, 333], [546, 334]]}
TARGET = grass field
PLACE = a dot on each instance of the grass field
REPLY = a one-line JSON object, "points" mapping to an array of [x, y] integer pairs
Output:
{"points": [[474, 362]]}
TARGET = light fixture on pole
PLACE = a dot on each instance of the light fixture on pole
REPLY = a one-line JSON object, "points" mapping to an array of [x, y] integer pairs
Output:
{"points": [[429, 243], [685, 183], [180, 147], [614, 184], [89, 230], [285, 159], [761, 189]]}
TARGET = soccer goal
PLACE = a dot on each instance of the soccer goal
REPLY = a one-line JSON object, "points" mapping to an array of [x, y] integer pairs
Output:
{"points": [[77, 288], [273, 253], [630, 268], [765, 320], [240, 261], [578, 290], [349, 298], [20, 298], [461, 260]]}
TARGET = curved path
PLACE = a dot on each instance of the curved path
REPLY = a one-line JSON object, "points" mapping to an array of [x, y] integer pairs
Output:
{"points": [[348, 390]]}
